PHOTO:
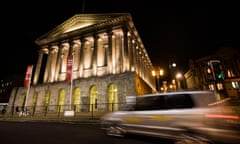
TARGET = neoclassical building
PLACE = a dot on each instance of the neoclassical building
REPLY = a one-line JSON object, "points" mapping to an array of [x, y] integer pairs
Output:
{"points": [[109, 63]]}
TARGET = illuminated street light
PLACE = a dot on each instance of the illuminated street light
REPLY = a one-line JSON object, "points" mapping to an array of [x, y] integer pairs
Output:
{"points": [[179, 77], [161, 72], [174, 65], [157, 74], [153, 73]]}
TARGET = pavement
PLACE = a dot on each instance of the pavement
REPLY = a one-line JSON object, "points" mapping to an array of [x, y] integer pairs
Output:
{"points": [[69, 119]]}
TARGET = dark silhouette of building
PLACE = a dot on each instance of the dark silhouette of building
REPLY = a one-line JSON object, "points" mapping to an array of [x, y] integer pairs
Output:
{"points": [[8, 82], [219, 72]]}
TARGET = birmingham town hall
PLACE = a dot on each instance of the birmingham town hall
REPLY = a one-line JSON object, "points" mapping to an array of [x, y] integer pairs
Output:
{"points": [[109, 64]]}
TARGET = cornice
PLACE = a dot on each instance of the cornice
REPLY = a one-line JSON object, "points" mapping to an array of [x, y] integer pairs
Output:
{"points": [[48, 38]]}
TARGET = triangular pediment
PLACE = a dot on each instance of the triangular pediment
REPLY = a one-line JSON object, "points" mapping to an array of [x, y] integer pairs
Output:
{"points": [[80, 21]]}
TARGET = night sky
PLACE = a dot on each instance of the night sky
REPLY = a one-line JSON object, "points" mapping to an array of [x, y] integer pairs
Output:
{"points": [[170, 30]]}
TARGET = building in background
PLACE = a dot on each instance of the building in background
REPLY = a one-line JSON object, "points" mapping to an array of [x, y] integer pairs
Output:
{"points": [[7, 84], [109, 62], [219, 72]]}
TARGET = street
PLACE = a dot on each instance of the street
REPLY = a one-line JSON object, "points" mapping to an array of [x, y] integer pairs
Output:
{"points": [[64, 133]]}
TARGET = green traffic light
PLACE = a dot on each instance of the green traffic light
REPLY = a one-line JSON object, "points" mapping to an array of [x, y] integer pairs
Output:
{"points": [[220, 76]]}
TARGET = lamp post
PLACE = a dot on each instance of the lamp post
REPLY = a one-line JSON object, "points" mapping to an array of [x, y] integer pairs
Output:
{"points": [[161, 73], [157, 74], [156, 79], [178, 79]]}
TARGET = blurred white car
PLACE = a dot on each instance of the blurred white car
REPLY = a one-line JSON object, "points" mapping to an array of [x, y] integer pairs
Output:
{"points": [[185, 117]]}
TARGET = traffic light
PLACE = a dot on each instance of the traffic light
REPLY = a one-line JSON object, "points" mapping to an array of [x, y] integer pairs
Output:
{"points": [[209, 73], [220, 76], [218, 71]]}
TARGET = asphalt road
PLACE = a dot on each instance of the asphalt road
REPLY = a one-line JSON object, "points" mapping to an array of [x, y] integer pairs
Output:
{"points": [[64, 133]]}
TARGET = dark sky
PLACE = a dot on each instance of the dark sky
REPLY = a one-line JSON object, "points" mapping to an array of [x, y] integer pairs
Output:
{"points": [[170, 30]]}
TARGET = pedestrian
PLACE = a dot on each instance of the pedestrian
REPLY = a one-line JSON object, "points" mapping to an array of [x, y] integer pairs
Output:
{"points": [[17, 109]]}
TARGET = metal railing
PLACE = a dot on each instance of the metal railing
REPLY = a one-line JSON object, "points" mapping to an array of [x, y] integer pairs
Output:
{"points": [[88, 111]]}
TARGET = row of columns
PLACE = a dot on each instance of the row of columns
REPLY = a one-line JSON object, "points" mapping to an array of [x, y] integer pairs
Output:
{"points": [[111, 52]]}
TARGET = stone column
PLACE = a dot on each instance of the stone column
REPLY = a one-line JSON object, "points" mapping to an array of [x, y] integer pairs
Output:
{"points": [[119, 49], [81, 57], [58, 64], [131, 50], [109, 55], [138, 55], [94, 56], [52, 69], [74, 51], [75, 44], [134, 53], [50, 66], [65, 51], [125, 57], [38, 66], [46, 71], [117, 53], [140, 61]]}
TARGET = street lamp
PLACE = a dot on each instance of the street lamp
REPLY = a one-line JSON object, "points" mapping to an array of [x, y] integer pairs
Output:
{"points": [[157, 74], [161, 72], [179, 77], [174, 65], [156, 79]]}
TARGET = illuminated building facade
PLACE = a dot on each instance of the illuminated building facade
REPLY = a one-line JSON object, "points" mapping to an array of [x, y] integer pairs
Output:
{"points": [[110, 62]]}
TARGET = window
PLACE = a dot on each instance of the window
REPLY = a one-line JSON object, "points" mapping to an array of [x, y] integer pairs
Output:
{"points": [[150, 103], [179, 101]]}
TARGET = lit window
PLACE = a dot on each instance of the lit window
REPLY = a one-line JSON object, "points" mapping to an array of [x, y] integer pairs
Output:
{"points": [[235, 84], [211, 87], [219, 86], [230, 73]]}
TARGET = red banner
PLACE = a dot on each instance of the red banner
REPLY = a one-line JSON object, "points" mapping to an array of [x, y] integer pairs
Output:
{"points": [[27, 80], [69, 69]]}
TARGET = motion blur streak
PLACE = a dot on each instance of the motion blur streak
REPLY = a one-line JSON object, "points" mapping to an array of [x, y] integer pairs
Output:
{"points": [[221, 116]]}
